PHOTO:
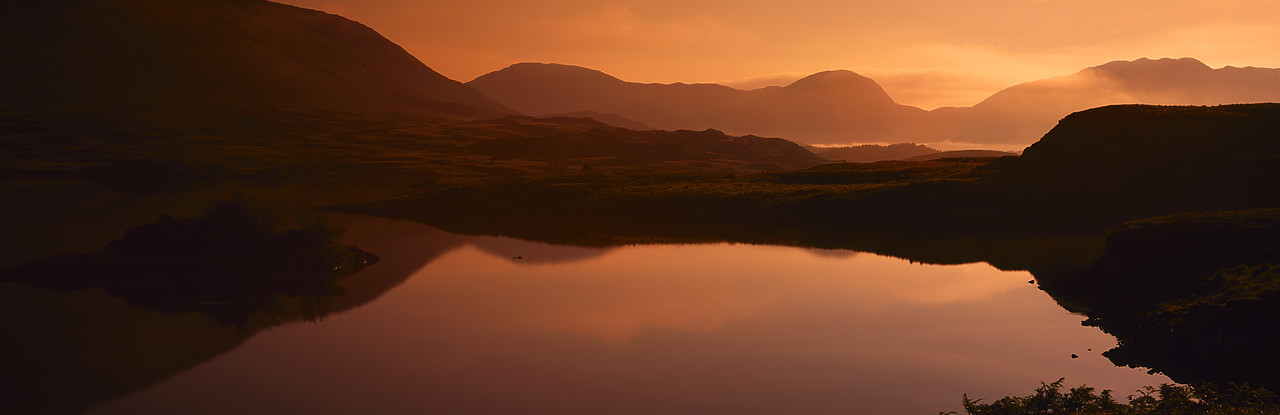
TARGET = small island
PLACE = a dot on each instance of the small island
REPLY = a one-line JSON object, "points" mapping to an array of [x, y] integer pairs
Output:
{"points": [[234, 263]]}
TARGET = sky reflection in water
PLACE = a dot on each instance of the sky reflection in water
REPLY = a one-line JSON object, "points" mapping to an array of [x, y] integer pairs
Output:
{"points": [[724, 328]]}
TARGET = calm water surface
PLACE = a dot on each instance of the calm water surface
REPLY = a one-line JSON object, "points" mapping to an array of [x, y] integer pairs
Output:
{"points": [[660, 329]]}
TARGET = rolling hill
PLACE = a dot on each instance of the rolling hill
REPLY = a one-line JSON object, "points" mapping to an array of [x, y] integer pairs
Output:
{"points": [[215, 53]]}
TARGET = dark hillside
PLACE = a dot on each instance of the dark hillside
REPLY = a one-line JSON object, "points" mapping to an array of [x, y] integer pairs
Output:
{"points": [[1150, 142], [214, 53], [1102, 167], [1195, 296]]}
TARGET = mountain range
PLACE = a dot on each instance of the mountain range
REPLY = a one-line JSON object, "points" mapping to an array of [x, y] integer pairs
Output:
{"points": [[823, 107], [245, 54], [840, 107], [1024, 112], [155, 94]]}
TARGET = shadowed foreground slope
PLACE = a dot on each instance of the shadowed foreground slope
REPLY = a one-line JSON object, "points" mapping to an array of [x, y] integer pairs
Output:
{"points": [[1194, 296]]}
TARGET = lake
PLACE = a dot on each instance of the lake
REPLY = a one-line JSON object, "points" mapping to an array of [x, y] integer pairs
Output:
{"points": [[481, 325]]}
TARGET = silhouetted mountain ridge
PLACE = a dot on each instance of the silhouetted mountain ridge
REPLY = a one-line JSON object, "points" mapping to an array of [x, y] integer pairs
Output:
{"points": [[1028, 110], [842, 106], [833, 105], [841, 83], [215, 52]]}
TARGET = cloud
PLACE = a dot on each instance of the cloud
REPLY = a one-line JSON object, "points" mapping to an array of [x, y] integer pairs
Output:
{"points": [[1223, 44]]}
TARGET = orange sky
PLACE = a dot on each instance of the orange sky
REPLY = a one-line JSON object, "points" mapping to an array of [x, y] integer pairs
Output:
{"points": [[925, 53]]}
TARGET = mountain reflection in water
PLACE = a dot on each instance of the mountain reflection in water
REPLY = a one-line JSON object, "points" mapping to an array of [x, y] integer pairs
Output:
{"points": [[495, 325]]}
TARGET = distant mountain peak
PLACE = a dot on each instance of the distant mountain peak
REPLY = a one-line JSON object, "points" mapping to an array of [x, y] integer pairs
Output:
{"points": [[544, 70], [1167, 65], [826, 79], [843, 83]]}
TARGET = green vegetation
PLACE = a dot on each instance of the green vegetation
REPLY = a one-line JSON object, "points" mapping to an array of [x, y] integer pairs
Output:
{"points": [[1206, 399]]}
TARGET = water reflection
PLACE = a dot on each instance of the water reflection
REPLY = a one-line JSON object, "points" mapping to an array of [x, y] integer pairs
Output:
{"points": [[69, 351], [697, 288], [719, 328], [535, 253]]}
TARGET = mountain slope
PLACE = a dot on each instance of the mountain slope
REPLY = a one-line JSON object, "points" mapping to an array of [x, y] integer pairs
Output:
{"points": [[611, 119], [1023, 112], [834, 106], [1229, 143], [215, 52]]}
